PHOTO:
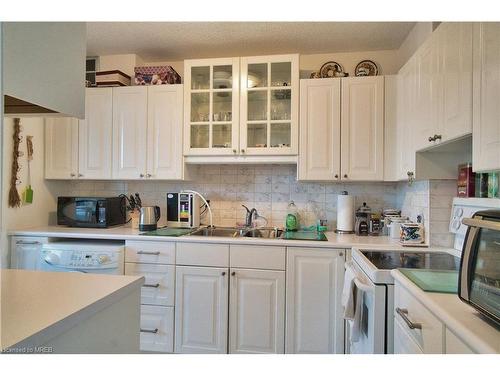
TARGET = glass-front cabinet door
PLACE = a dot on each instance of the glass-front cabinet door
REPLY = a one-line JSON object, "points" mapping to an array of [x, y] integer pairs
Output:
{"points": [[211, 113], [269, 105]]}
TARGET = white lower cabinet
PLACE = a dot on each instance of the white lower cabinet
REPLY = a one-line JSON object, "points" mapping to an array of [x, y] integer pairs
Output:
{"points": [[257, 311], [158, 289], [201, 301], [453, 345], [157, 329], [314, 319]]}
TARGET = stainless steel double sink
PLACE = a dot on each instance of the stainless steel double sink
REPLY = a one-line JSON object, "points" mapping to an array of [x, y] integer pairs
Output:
{"points": [[266, 232]]}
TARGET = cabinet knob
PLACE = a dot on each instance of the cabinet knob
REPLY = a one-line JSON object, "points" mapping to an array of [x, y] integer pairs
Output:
{"points": [[80, 175], [437, 136], [345, 176], [141, 175], [431, 139], [336, 176], [411, 177], [242, 150], [223, 273], [234, 151], [233, 273], [72, 174], [148, 175]]}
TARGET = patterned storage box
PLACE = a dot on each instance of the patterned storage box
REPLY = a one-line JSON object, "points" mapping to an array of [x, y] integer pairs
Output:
{"points": [[156, 75]]}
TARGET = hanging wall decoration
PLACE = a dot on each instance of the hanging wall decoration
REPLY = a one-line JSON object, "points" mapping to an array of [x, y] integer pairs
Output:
{"points": [[14, 199]]}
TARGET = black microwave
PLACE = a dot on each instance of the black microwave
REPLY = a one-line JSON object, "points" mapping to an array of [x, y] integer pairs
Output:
{"points": [[91, 212], [479, 277]]}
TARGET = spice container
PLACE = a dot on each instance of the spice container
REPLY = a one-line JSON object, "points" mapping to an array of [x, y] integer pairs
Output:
{"points": [[466, 181]]}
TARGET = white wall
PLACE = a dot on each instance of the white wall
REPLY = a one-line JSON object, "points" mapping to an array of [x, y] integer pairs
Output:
{"points": [[44, 64], [126, 63], [420, 32], [44, 201]]}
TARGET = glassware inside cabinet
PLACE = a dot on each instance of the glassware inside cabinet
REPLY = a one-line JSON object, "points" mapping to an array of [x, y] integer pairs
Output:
{"points": [[257, 105], [222, 106], [199, 136], [280, 135], [221, 136], [257, 135], [281, 105], [200, 77], [281, 74], [222, 77], [200, 111], [257, 75]]}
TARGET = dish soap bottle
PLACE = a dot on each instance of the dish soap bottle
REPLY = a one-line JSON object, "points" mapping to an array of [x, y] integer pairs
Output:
{"points": [[292, 217]]}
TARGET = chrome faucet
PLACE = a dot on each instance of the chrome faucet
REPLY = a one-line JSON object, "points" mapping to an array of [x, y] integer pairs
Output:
{"points": [[249, 217]]}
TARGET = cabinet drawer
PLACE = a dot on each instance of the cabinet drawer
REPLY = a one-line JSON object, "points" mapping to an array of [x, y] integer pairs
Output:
{"points": [[454, 345], [202, 254], [150, 252], [263, 257], [430, 337], [403, 343], [159, 287], [157, 329]]}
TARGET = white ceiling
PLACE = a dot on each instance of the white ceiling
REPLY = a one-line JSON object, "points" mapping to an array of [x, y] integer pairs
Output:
{"points": [[182, 40]]}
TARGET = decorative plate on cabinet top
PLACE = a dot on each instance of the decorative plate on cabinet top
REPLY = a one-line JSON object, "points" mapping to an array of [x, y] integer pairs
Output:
{"points": [[331, 69], [366, 68]]}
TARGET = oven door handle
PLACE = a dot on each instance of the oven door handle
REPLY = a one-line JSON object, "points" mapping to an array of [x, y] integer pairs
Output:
{"points": [[359, 284], [478, 223]]}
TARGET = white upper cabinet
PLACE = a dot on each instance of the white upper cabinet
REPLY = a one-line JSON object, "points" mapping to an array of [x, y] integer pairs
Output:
{"points": [[319, 153], [257, 311], [165, 105], [201, 310], [269, 106], [130, 106], [455, 46], [486, 121], [314, 315], [95, 135], [61, 148], [211, 114], [362, 128]]}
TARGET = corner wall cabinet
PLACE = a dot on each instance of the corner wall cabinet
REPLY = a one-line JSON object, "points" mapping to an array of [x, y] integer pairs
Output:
{"points": [[342, 129], [486, 124], [241, 109], [128, 133]]}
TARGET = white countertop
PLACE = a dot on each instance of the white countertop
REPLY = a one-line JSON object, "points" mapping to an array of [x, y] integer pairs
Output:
{"points": [[463, 320], [37, 306], [127, 233]]}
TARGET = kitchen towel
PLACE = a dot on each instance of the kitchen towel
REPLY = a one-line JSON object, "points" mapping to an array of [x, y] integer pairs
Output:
{"points": [[345, 212]]}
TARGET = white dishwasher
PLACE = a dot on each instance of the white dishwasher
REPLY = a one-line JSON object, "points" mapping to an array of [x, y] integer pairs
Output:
{"points": [[104, 257]]}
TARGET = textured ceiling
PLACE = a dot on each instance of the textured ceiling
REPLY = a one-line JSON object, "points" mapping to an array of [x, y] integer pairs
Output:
{"points": [[184, 40]]}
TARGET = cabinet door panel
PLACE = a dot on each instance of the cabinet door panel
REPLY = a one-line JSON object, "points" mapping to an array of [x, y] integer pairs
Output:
{"points": [[362, 128], [201, 301], [95, 132], [158, 288], [257, 311], [319, 153], [314, 320], [486, 102], [165, 104], [157, 329], [129, 132], [61, 148]]}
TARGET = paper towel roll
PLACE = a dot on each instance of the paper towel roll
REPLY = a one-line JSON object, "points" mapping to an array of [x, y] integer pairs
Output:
{"points": [[345, 213]]}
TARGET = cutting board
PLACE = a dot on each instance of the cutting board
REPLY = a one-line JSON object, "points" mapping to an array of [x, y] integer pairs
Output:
{"points": [[438, 281], [168, 232]]}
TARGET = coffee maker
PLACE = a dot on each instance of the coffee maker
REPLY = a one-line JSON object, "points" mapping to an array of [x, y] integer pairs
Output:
{"points": [[361, 228]]}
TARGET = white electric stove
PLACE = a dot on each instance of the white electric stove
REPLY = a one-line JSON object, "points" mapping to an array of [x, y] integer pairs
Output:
{"points": [[375, 281]]}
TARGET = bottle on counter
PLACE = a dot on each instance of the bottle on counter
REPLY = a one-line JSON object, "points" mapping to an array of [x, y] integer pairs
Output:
{"points": [[292, 217], [493, 185]]}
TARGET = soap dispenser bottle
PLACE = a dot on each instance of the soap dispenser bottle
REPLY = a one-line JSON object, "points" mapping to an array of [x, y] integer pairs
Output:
{"points": [[292, 217]]}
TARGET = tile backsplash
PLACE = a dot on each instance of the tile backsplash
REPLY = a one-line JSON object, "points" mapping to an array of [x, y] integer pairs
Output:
{"points": [[269, 188]]}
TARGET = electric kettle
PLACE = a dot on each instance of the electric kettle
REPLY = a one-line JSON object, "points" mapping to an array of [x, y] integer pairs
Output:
{"points": [[148, 218]]}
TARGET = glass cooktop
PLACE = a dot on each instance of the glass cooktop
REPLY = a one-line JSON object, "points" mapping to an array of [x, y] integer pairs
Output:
{"points": [[388, 260]]}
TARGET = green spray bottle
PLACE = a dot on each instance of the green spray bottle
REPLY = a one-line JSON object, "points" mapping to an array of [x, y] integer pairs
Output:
{"points": [[292, 217]]}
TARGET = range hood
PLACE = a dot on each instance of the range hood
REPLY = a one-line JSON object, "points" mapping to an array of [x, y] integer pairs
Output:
{"points": [[14, 106]]}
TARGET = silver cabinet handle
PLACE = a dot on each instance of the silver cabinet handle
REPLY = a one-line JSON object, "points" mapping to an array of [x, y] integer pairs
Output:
{"points": [[403, 313], [431, 139], [149, 330], [23, 242], [148, 252], [151, 285], [437, 136]]}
